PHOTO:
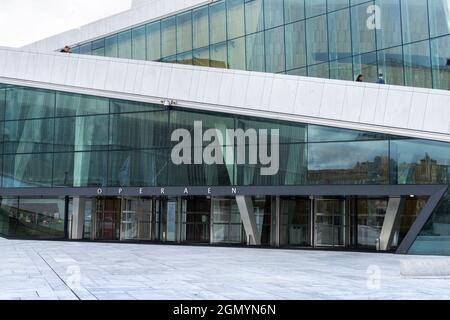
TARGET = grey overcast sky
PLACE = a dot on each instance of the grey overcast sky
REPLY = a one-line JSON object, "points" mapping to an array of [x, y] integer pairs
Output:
{"points": [[26, 21]]}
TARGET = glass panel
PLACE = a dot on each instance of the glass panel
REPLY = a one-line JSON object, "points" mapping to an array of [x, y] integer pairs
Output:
{"points": [[27, 170], [123, 106], [124, 42], [337, 4], [28, 136], [274, 45], [144, 168], [390, 64], [254, 18], [139, 130], [329, 163], [255, 52], [295, 222], [370, 217], [2, 104], [68, 104], [366, 64], [153, 41], [324, 134], [111, 46], [315, 7], [89, 169], [317, 40], [273, 13], [86, 49], [185, 58], [218, 24], [420, 162], [236, 54], [390, 32], [298, 72], [201, 57], [439, 11], [139, 44], [227, 221], [440, 49], [81, 133], [32, 218], [22, 103], [219, 55], [418, 64], [340, 44], [342, 69], [319, 70], [63, 169], [363, 37], [414, 20], [434, 239], [98, 47], [168, 36], [293, 10], [200, 27], [295, 45], [184, 32], [235, 18]]}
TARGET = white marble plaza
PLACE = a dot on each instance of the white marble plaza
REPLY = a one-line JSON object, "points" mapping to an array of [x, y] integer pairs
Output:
{"points": [[65, 270]]}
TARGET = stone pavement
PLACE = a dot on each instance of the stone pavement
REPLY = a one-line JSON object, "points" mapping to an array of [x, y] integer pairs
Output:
{"points": [[75, 270]]}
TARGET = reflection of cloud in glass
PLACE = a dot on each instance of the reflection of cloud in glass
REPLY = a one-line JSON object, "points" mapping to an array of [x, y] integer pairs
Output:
{"points": [[344, 155]]}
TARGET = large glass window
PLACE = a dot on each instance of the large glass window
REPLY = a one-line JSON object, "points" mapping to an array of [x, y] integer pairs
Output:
{"points": [[254, 17], [295, 45], [330, 163], [98, 47], [124, 45], [420, 162], [440, 57], [439, 12], [294, 10], [27, 170], [227, 225], [139, 43], [366, 64], [200, 22], [274, 45], [315, 7], [236, 54], [126, 168], [184, 32], [390, 64], [235, 18], [255, 52], [317, 40], [28, 136], [389, 33], [168, 36], [340, 42], [69, 104], [273, 13], [418, 64], [217, 22], [414, 20], [201, 57], [26, 103], [218, 55], [111, 46], [153, 41], [363, 38]]}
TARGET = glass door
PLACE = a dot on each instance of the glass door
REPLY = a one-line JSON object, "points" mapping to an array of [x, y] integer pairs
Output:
{"points": [[329, 223], [196, 220], [108, 219], [139, 219]]}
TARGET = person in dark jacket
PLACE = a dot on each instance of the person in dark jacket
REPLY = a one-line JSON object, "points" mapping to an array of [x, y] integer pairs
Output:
{"points": [[360, 78], [66, 49], [380, 79]]}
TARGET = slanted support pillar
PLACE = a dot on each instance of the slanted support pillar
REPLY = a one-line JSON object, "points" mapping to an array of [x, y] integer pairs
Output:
{"points": [[78, 218], [245, 205], [391, 223]]}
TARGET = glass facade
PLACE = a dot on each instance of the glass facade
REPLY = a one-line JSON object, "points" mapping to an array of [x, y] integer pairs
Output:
{"points": [[55, 139], [406, 40]]}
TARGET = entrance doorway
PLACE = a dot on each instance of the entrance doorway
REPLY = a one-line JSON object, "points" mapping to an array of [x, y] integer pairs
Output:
{"points": [[330, 223], [107, 219], [196, 220]]}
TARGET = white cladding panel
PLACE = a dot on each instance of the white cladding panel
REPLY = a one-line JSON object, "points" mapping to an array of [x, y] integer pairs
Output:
{"points": [[407, 111]]}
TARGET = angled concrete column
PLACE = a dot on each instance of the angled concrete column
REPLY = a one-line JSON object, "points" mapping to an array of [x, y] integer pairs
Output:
{"points": [[245, 205], [391, 223], [78, 218]]}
